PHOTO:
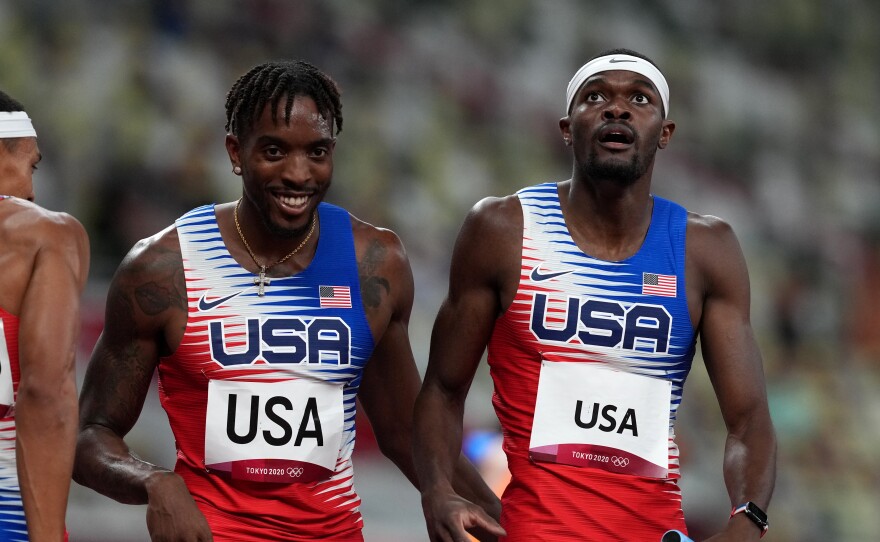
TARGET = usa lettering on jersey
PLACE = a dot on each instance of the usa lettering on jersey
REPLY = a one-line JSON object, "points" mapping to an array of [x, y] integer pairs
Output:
{"points": [[596, 322], [281, 340]]}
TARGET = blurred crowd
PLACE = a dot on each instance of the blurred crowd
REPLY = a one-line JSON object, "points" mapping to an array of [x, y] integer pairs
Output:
{"points": [[448, 101]]}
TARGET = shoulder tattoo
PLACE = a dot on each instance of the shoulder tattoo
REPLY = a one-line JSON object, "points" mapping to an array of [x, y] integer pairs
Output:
{"points": [[372, 283], [165, 287]]}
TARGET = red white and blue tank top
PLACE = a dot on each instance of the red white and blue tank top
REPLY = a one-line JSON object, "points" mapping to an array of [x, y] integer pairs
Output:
{"points": [[588, 364], [261, 392], [12, 521]]}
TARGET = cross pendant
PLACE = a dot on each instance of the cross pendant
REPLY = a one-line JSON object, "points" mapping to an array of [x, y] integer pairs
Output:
{"points": [[262, 281]]}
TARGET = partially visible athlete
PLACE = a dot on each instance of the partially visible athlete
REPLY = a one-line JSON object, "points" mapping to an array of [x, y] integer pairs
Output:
{"points": [[269, 319], [590, 294], [44, 258]]}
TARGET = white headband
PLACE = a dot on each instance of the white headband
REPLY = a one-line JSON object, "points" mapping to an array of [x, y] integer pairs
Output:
{"points": [[618, 62], [16, 124]]}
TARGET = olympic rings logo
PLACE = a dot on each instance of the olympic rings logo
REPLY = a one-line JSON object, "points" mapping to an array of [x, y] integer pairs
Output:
{"points": [[620, 461], [294, 472]]}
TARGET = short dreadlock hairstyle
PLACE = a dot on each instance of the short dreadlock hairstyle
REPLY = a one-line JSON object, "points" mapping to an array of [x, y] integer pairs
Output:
{"points": [[267, 84]]}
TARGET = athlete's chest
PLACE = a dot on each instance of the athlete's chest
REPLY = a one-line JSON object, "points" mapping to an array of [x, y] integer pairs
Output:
{"points": [[569, 298], [310, 325], [236, 319]]}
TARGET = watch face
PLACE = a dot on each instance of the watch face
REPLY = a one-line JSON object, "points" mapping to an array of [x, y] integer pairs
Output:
{"points": [[753, 510]]}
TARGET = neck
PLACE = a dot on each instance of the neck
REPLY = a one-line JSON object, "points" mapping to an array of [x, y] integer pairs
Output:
{"points": [[268, 246], [605, 219]]}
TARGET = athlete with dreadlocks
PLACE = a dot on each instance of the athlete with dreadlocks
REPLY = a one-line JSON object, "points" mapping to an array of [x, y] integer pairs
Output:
{"points": [[269, 319]]}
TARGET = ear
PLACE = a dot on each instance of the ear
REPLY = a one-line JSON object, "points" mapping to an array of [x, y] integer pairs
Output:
{"points": [[233, 148], [666, 133], [565, 128]]}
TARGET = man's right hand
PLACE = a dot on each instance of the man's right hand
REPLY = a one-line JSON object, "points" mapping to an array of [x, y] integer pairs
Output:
{"points": [[450, 517], [172, 514]]}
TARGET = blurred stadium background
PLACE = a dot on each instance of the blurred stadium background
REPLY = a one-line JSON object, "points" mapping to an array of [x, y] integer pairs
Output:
{"points": [[448, 101]]}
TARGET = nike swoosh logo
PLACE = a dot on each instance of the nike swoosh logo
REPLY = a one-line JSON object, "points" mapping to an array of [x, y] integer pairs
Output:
{"points": [[616, 61], [537, 276], [205, 305]]}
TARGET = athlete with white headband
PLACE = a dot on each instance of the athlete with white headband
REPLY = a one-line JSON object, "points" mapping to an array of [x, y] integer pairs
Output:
{"points": [[590, 294], [44, 256]]}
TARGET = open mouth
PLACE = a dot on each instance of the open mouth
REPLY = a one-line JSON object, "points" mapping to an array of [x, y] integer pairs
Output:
{"points": [[294, 201], [616, 135]]}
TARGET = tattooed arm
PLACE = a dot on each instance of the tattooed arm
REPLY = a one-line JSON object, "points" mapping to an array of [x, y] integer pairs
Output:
{"points": [[391, 380], [145, 317]]}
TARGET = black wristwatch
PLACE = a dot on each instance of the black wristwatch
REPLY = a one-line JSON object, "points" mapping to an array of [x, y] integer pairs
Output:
{"points": [[755, 514]]}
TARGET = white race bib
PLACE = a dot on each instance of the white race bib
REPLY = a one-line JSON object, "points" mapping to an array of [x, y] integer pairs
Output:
{"points": [[591, 416], [279, 432]]}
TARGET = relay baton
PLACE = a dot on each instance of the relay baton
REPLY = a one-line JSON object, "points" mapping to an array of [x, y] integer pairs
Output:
{"points": [[675, 536]]}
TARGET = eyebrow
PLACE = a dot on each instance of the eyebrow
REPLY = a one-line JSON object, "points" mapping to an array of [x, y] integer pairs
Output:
{"points": [[324, 141], [601, 79]]}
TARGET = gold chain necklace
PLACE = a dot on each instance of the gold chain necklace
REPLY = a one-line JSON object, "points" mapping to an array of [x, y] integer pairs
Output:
{"points": [[262, 280]]}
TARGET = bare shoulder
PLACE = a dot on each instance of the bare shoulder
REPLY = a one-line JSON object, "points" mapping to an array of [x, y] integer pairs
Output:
{"points": [[31, 233], [37, 240], [489, 244], [153, 254], [707, 225], [710, 236], [378, 244], [494, 219], [714, 257], [383, 267], [40, 226], [151, 277]]}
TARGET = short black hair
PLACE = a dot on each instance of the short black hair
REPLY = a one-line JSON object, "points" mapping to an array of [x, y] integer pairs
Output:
{"points": [[8, 104], [266, 84]]}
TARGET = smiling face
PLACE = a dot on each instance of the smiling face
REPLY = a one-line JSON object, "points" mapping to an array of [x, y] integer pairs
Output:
{"points": [[18, 160], [616, 126], [286, 166]]}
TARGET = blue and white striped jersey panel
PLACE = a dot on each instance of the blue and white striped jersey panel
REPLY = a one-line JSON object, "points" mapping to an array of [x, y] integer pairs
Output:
{"points": [[13, 526], [12, 522]]}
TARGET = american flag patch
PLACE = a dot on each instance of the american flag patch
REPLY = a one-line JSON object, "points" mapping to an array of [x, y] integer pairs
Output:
{"points": [[654, 284], [335, 296]]}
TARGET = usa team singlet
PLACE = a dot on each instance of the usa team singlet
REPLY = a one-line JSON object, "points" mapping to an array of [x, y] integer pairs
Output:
{"points": [[261, 392], [588, 364], [12, 522]]}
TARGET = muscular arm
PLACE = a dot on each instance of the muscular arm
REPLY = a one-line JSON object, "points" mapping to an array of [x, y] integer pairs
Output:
{"points": [[391, 381], [486, 249], [734, 365], [145, 316], [45, 410]]}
